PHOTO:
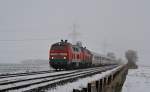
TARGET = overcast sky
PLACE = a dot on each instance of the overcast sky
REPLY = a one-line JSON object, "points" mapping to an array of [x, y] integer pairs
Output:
{"points": [[29, 27]]}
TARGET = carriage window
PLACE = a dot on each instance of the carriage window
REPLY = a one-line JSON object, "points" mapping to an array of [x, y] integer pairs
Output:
{"points": [[77, 49], [78, 57], [74, 49], [74, 56]]}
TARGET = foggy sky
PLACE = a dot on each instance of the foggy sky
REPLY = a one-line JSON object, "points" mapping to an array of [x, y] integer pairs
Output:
{"points": [[29, 27]]}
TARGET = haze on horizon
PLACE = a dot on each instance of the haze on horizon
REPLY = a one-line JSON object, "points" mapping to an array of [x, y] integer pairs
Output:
{"points": [[29, 27]]}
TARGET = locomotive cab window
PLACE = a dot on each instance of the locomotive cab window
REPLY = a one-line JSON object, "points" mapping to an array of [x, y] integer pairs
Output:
{"points": [[58, 47]]}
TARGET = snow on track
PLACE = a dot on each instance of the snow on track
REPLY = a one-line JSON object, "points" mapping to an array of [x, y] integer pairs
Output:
{"points": [[18, 78]]}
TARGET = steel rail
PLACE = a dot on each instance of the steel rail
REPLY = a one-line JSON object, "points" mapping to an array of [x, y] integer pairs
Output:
{"points": [[24, 74]]}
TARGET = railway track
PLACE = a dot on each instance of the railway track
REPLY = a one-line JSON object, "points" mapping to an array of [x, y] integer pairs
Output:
{"points": [[24, 74], [32, 82]]}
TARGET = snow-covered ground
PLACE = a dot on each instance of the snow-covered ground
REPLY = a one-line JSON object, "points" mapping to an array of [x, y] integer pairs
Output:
{"points": [[21, 68], [138, 80]]}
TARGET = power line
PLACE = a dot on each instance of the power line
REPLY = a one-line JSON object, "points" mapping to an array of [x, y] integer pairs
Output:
{"points": [[10, 40]]}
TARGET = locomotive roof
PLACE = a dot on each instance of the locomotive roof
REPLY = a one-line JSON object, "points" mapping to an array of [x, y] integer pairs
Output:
{"points": [[67, 44], [61, 43], [85, 49]]}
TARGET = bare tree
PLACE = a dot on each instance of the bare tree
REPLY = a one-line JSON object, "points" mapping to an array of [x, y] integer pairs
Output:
{"points": [[131, 56]]}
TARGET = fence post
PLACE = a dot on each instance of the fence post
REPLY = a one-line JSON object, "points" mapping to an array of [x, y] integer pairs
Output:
{"points": [[84, 90], [89, 87], [97, 86], [75, 90], [101, 85]]}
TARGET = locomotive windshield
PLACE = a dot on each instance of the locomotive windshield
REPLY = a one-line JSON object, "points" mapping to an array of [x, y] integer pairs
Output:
{"points": [[58, 47]]}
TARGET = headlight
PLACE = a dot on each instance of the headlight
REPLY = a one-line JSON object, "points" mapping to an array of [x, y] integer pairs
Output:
{"points": [[52, 57], [64, 57]]}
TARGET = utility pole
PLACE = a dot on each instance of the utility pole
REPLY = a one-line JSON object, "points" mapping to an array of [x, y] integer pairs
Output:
{"points": [[105, 45], [74, 34]]}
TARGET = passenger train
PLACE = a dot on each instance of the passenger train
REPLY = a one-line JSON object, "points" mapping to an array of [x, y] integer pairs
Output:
{"points": [[64, 55]]}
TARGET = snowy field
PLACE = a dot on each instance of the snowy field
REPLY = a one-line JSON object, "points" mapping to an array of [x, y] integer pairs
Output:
{"points": [[138, 80], [21, 68]]}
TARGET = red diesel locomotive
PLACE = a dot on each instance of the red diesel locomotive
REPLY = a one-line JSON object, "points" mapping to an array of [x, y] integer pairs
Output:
{"points": [[64, 55]]}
